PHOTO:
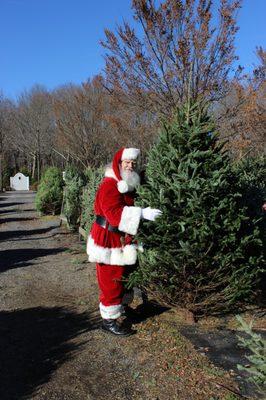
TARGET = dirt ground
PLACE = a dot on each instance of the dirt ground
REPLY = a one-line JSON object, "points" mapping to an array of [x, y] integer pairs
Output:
{"points": [[51, 344]]}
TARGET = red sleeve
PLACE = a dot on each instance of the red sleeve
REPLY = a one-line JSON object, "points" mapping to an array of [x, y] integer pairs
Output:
{"points": [[112, 202]]}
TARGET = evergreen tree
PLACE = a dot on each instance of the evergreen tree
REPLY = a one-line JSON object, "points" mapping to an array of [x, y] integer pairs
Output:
{"points": [[74, 182], [203, 253], [256, 345], [93, 179], [50, 192]]}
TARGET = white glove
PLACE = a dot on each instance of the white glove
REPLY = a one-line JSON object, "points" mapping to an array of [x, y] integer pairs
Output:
{"points": [[150, 213]]}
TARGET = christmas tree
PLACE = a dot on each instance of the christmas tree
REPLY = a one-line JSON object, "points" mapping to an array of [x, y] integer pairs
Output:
{"points": [[74, 182], [203, 253]]}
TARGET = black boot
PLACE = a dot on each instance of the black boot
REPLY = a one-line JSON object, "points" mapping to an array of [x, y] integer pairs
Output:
{"points": [[112, 326]]}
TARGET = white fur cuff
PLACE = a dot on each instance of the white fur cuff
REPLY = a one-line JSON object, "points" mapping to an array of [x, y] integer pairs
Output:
{"points": [[111, 312], [130, 218]]}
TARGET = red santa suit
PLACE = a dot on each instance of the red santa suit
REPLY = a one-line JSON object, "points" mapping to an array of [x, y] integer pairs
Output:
{"points": [[110, 243]]}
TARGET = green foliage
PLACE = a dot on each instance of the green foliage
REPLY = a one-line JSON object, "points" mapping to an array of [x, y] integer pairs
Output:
{"points": [[24, 170], [74, 181], [229, 396], [257, 359], [204, 253], [251, 182], [251, 174], [93, 178], [6, 174], [50, 192]]}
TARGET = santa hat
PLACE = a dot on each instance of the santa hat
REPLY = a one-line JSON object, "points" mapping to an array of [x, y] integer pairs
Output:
{"points": [[120, 155]]}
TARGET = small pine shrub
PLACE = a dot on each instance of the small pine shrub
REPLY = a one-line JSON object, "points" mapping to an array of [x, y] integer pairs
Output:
{"points": [[50, 192], [93, 178], [7, 172], [257, 346], [74, 181]]}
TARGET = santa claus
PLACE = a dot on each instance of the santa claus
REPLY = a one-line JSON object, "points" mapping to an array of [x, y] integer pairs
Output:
{"points": [[110, 243]]}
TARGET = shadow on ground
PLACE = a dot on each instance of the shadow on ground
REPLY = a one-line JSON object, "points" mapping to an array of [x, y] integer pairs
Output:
{"points": [[7, 235], [4, 204], [18, 258], [26, 209], [6, 212], [15, 219], [33, 343], [145, 311], [221, 347]]}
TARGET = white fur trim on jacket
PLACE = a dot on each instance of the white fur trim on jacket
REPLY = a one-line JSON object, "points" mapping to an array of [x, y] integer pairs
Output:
{"points": [[130, 154], [111, 312], [109, 173], [113, 256], [122, 186], [129, 221]]}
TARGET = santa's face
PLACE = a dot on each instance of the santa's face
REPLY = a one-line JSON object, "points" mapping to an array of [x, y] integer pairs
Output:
{"points": [[128, 173], [128, 165]]}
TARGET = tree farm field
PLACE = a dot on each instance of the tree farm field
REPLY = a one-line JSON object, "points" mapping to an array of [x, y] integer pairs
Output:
{"points": [[51, 344]]}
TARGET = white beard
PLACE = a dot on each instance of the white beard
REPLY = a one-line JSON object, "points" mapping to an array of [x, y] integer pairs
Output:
{"points": [[131, 178]]}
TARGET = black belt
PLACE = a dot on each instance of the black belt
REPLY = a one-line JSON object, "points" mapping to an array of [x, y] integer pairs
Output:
{"points": [[103, 223]]}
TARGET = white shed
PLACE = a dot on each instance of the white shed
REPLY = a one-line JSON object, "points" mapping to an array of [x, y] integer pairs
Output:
{"points": [[20, 182]]}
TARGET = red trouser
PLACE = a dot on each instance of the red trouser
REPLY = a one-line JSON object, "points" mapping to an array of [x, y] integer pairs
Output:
{"points": [[112, 291], [110, 284]]}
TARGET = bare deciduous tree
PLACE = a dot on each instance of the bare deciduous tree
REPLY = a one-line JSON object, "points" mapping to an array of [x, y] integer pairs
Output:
{"points": [[186, 50], [6, 108], [242, 113], [80, 125], [91, 125], [34, 127]]}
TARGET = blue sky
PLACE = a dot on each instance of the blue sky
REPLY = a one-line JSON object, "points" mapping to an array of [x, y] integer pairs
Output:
{"points": [[53, 42]]}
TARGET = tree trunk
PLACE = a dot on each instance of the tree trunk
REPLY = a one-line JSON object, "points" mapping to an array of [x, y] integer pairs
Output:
{"points": [[38, 155], [33, 166], [38, 166]]}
